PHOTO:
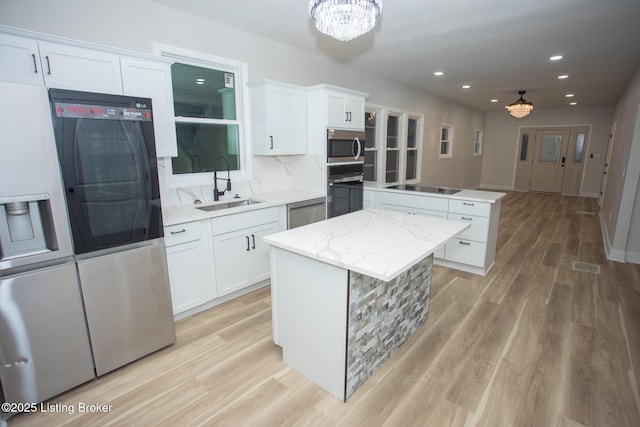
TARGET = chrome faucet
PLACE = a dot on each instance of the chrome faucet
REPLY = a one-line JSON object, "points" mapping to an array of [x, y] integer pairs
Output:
{"points": [[217, 193]]}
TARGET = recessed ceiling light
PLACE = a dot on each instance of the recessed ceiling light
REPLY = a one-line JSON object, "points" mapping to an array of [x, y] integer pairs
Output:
{"points": [[556, 58], [199, 81], [564, 76], [569, 95], [573, 103], [494, 100], [438, 73], [466, 87]]}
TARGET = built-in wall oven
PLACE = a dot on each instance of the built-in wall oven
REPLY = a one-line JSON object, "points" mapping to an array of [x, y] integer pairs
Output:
{"points": [[345, 172]]}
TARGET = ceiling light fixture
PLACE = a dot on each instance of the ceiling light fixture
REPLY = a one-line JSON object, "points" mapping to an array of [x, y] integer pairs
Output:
{"points": [[564, 76], [556, 57], [345, 19], [466, 87], [521, 107], [438, 73]]}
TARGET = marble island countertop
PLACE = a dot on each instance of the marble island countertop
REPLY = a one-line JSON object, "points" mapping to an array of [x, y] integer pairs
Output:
{"points": [[376, 242], [178, 214]]}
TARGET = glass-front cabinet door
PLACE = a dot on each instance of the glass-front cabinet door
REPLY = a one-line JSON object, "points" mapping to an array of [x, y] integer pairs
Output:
{"points": [[370, 153]]}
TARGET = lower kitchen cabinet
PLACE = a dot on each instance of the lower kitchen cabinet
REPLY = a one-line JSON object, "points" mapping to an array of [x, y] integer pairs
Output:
{"points": [[241, 258], [188, 254]]}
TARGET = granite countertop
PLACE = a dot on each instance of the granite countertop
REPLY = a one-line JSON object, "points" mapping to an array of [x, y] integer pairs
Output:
{"points": [[376, 242], [178, 214], [472, 195]]}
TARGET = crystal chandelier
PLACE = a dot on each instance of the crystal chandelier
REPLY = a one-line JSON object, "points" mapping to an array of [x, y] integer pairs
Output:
{"points": [[345, 19], [521, 107]]}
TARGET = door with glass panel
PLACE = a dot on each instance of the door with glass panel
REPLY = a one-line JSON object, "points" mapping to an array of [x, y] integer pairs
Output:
{"points": [[549, 159]]}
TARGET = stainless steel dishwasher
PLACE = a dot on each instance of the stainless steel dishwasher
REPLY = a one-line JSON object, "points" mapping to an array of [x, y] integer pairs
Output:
{"points": [[306, 212]]}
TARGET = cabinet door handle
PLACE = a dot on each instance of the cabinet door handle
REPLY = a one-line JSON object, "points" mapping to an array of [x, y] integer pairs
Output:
{"points": [[248, 249], [465, 243], [466, 219], [48, 65], [35, 64], [253, 241], [179, 231], [271, 141], [468, 204], [346, 116]]}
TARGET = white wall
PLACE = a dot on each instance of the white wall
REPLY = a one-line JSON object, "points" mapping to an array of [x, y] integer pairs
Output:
{"points": [[620, 211], [137, 25], [501, 143]]}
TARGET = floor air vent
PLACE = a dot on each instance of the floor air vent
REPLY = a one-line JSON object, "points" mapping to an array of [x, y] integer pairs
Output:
{"points": [[586, 267]]}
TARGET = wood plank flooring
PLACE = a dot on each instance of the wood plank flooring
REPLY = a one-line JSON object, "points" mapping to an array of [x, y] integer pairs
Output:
{"points": [[534, 343]]}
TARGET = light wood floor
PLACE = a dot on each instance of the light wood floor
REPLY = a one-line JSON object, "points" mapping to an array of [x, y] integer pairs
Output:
{"points": [[534, 343]]}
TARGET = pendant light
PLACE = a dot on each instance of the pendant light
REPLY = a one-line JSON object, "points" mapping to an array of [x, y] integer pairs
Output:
{"points": [[345, 19], [521, 107]]}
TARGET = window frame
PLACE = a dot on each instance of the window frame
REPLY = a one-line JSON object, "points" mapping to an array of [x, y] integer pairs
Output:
{"points": [[478, 140], [240, 71], [449, 141]]}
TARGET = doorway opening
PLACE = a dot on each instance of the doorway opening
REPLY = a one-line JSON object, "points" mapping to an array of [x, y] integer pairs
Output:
{"points": [[551, 160]]}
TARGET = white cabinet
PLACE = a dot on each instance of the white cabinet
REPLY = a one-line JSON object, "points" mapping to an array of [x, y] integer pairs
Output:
{"points": [[75, 68], [30, 61], [334, 108], [279, 118], [470, 246], [152, 79], [241, 257], [20, 60], [345, 111], [472, 250], [187, 256]]}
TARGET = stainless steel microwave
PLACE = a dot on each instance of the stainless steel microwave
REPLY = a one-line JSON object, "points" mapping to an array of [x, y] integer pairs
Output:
{"points": [[344, 146]]}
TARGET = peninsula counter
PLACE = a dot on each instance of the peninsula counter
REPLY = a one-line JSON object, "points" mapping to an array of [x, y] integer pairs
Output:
{"points": [[349, 291]]}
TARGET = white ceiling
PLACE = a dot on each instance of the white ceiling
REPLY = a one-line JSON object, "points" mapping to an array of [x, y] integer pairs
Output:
{"points": [[496, 46]]}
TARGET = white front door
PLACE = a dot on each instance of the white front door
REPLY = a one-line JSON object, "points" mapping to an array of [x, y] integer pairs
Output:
{"points": [[549, 160]]}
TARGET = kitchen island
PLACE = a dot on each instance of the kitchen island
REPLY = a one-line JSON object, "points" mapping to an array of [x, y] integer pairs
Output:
{"points": [[349, 291]]}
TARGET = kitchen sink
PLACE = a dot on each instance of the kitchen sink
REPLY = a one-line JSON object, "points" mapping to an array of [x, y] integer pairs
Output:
{"points": [[426, 189], [227, 205]]}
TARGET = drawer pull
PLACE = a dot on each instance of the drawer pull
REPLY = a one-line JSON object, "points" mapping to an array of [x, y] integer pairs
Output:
{"points": [[248, 248], [179, 231], [468, 204], [466, 219], [466, 243]]}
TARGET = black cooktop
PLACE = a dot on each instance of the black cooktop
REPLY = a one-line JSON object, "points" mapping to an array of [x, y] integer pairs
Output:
{"points": [[426, 188]]}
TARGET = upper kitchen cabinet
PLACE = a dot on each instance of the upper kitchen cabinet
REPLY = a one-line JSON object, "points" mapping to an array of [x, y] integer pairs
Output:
{"points": [[152, 79], [20, 60], [76, 68], [278, 118], [341, 108], [30, 61]]}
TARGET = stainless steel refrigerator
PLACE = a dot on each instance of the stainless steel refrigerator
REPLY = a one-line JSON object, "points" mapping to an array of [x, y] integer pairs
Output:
{"points": [[83, 277]]}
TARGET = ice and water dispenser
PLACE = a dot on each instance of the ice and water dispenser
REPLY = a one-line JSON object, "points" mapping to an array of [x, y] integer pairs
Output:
{"points": [[26, 227]]}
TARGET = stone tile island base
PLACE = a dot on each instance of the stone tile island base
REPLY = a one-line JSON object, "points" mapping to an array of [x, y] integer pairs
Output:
{"points": [[336, 326], [382, 316]]}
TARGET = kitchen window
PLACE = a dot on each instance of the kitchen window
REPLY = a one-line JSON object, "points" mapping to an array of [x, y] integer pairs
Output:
{"points": [[477, 142], [208, 102], [446, 141]]}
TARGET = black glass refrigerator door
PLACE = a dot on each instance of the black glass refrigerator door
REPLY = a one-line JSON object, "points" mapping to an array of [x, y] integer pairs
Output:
{"points": [[107, 154]]}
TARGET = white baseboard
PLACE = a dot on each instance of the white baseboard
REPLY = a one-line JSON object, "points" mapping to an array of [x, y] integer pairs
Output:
{"points": [[590, 195], [611, 254], [496, 187], [633, 257]]}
